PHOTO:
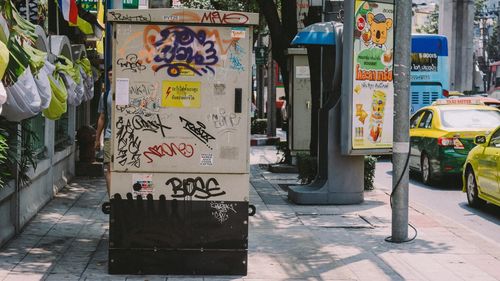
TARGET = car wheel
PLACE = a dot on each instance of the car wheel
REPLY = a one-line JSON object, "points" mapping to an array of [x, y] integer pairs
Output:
{"points": [[472, 192], [425, 169]]}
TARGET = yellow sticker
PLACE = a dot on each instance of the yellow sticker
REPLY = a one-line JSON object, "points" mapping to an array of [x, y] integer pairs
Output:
{"points": [[181, 94]]}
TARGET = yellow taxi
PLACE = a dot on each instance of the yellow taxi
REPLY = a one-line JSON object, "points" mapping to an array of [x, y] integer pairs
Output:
{"points": [[442, 134], [481, 175]]}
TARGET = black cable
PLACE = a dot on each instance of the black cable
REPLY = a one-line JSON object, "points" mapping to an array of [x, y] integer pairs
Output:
{"points": [[389, 239]]}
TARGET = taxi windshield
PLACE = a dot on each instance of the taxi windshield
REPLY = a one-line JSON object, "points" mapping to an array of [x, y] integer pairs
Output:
{"points": [[470, 118]]}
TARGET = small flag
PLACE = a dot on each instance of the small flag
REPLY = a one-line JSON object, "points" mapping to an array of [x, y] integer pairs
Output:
{"points": [[69, 10], [100, 13], [83, 25]]}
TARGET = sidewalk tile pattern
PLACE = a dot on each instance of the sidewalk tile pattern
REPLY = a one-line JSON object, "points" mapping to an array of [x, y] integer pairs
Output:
{"points": [[68, 239]]}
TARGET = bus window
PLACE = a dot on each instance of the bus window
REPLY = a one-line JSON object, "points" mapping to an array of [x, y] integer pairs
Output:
{"points": [[429, 70]]}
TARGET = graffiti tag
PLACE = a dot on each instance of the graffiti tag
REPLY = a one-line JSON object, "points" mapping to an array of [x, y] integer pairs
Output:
{"points": [[124, 17], [221, 210], [197, 131], [169, 149], [223, 121], [224, 18], [131, 62], [196, 187], [182, 49]]}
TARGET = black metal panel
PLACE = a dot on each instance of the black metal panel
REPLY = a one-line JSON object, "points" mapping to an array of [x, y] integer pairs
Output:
{"points": [[178, 262], [177, 236]]}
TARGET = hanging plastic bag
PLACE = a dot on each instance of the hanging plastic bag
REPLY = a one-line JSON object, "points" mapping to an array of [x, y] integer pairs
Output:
{"points": [[3, 96], [4, 30], [88, 83], [58, 105], [43, 84], [72, 80], [23, 99], [4, 58]]}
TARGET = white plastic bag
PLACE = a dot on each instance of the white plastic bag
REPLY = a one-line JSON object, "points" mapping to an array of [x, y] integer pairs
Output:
{"points": [[43, 84], [3, 96], [73, 98], [23, 99], [88, 83]]}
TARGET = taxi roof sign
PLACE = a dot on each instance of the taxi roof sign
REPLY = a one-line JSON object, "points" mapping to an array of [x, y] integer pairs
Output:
{"points": [[458, 101]]}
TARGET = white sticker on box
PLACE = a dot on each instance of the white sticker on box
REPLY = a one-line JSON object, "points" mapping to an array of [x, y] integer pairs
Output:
{"points": [[238, 33], [207, 159], [142, 184], [302, 72], [122, 97]]}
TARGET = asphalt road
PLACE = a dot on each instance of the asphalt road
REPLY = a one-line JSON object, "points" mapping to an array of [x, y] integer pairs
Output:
{"points": [[447, 199]]}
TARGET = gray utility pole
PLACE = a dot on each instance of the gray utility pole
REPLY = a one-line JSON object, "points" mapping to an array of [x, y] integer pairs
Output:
{"points": [[260, 78], [401, 145], [271, 93]]}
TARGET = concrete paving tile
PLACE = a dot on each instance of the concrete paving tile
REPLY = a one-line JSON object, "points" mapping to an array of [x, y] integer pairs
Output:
{"points": [[484, 263], [62, 277], [69, 267], [146, 278], [103, 277], [459, 266], [183, 278], [24, 277]]}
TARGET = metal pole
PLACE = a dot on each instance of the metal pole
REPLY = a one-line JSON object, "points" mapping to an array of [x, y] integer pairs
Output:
{"points": [[401, 148], [271, 93], [260, 82]]}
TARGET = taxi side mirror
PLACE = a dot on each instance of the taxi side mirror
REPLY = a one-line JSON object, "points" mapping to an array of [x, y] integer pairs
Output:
{"points": [[480, 140]]}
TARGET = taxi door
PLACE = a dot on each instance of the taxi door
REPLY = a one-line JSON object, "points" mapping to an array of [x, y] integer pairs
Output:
{"points": [[489, 166]]}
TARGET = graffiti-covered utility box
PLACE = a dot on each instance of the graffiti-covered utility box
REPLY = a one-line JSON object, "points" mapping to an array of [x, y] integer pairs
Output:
{"points": [[180, 141]]}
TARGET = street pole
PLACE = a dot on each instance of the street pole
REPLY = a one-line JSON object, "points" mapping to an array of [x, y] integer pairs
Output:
{"points": [[271, 93], [260, 77], [401, 146]]}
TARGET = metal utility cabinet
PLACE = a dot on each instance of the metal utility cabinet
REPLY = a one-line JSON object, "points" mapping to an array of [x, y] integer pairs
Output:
{"points": [[300, 101], [180, 146]]}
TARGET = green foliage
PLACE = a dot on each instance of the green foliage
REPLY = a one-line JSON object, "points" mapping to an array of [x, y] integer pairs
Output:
{"points": [[307, 166], [20, 156], [3, 152], [431, 27], [370, 163], [479, 8], [258, 126], [284, 153], [493, 46], [226, 5]]}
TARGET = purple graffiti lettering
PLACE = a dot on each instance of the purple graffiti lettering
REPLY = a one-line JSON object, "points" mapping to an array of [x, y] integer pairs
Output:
{"points": [[181, 48]]}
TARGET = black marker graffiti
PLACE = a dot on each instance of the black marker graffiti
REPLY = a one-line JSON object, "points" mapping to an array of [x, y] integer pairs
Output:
{"points": [[199, 132], [124, 17], [131, 62], [195, 187], [149, 125], [129, 144]]}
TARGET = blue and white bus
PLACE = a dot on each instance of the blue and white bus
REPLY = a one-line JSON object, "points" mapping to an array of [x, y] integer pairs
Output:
{"points": [[429, 69]]}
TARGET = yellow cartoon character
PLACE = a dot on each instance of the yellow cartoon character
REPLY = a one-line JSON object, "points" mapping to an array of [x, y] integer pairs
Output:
{"points": [[379, 27]]}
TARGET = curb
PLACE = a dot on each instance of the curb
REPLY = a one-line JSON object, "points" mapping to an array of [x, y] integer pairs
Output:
{"points": [[264, 141]]}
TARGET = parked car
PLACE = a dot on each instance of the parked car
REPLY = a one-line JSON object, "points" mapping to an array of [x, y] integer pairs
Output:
{"points": [[442, 134], [481, 176]]}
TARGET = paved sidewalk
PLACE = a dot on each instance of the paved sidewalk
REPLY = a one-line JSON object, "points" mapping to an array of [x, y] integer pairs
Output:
{"points": [[67, 240]]}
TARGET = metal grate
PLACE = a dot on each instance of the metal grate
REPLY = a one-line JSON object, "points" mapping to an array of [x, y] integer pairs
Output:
{"points": [[37, 126], [61, 135]]}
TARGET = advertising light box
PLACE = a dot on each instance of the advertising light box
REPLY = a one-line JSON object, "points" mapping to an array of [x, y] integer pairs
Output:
{"points": [[368, 89]]}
